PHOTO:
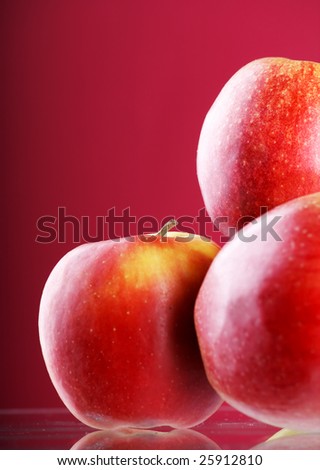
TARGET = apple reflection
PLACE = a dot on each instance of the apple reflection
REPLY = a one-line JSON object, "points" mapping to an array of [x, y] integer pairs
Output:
{"points": [[138, 439], [291, 441]]}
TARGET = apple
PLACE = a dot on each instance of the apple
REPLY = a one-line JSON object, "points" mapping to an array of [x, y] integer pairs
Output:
{"points": [[291, 440], [259, 143], [257, 318], [138, 439], [117, 331], [283, 433]]}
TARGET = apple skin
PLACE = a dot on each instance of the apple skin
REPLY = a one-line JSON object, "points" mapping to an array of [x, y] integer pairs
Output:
{"points": [[259, 143], [257, 317], [117, 332], [291, 440], [140, 439]]}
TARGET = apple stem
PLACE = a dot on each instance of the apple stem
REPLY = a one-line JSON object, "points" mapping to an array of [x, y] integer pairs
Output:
{"points": [[165, 229]]}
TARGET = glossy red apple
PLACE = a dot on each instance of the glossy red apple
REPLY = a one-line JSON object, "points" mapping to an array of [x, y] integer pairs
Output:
{"points": [[117, 332], [136, 439], [258, 318], [260, 141]]}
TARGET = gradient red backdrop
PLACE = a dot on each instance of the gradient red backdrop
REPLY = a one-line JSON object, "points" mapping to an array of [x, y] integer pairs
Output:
{"points": [[103, 103]]}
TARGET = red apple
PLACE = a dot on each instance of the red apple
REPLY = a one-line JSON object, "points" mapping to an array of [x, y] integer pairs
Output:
{"points": [[135, 439], [258, 318], [117, 332], [259, 144]]}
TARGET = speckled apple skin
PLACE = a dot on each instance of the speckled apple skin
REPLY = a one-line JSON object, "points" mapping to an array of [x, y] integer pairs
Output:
{"points": [[257, 317], [260, 141], [117, 332]]}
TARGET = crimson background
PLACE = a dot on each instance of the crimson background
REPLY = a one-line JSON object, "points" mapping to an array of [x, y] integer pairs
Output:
{"points": [[103, 102]]}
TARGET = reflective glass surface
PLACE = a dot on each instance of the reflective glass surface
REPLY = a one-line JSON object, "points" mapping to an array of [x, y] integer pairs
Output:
{"points": [[58, 429]]}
